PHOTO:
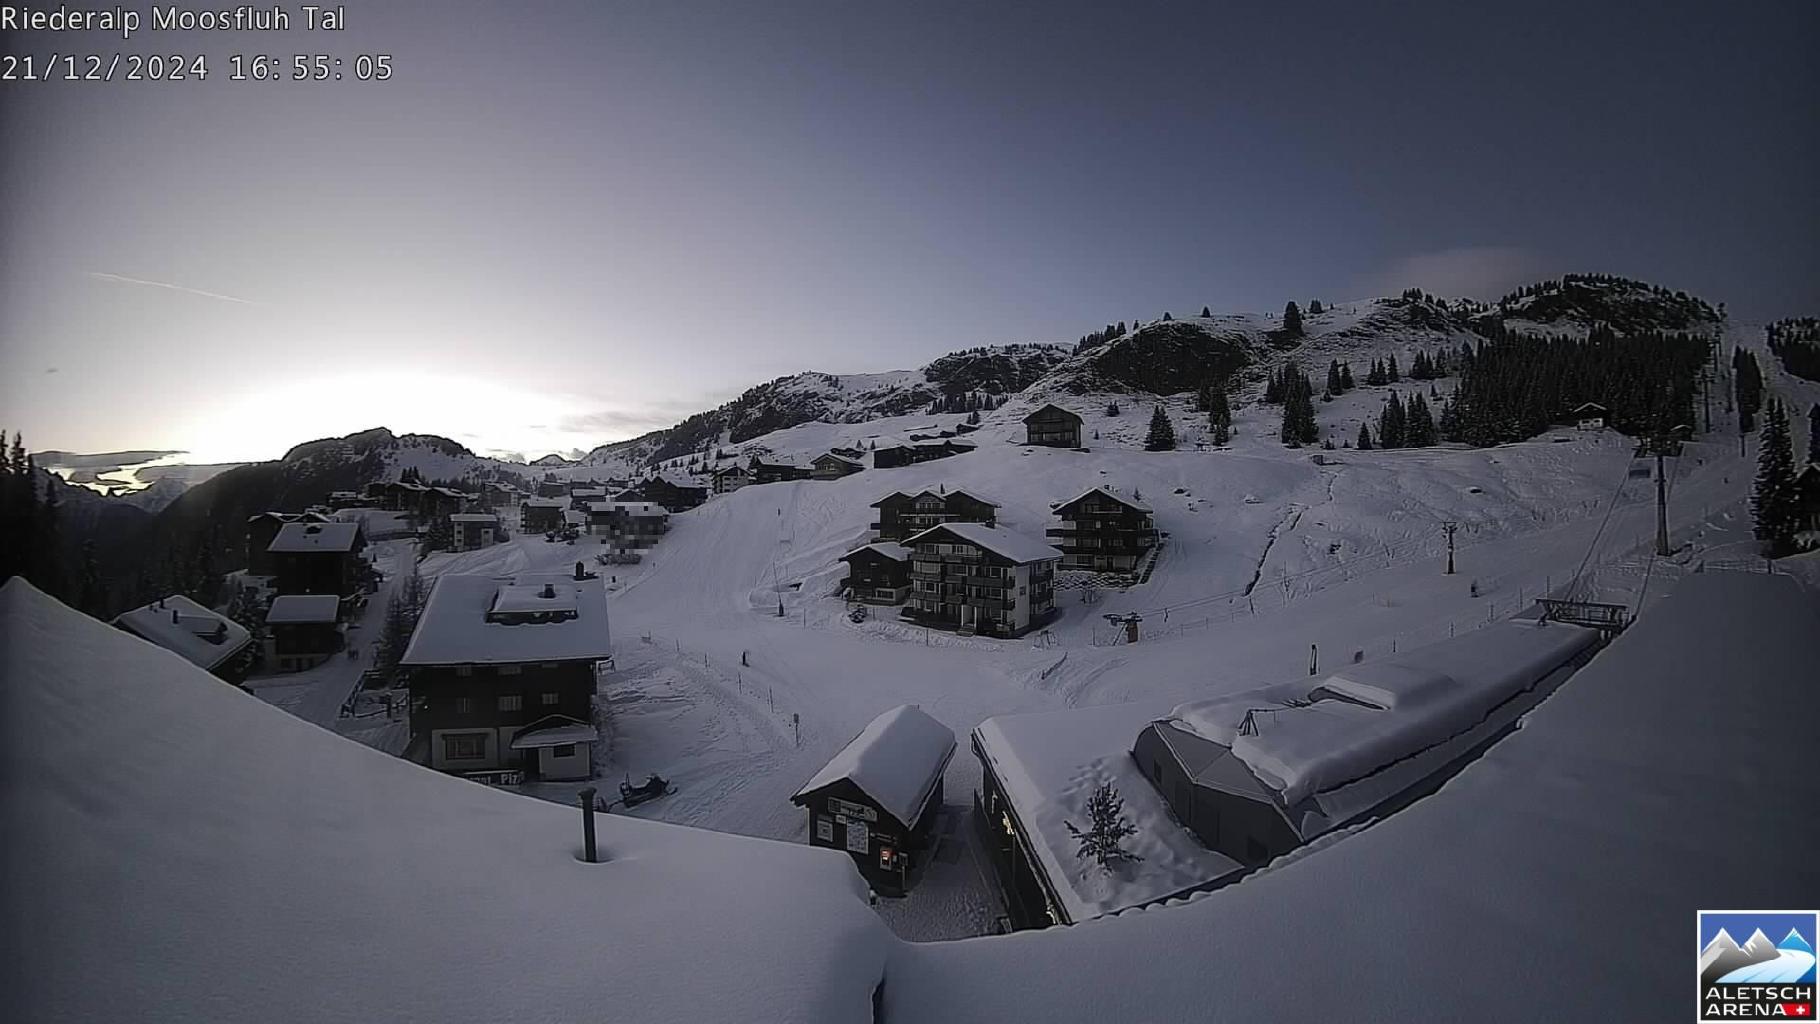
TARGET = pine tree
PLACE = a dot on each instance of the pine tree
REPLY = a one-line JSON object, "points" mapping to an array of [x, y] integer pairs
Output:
{"points": [[1391, 371], [1772, 504], [1107, 827], [1364, 438], [1219, 417], [1390, 423], [1206, 312], [1334, 384], [1112, 408], [1315, 307], [1292, 320], [1346, 383], [1162, 432]]}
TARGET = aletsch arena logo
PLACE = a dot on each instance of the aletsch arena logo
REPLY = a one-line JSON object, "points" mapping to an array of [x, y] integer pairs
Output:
{"points": [[1757, 964]]}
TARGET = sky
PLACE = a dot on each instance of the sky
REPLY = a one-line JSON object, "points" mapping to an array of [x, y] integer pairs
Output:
{"points": [[562, 224]]}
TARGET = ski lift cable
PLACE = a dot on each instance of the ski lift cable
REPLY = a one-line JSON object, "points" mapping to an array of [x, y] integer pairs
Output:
{"points": [[1573, 584]]}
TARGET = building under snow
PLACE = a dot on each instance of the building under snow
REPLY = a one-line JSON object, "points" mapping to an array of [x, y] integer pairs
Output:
{"points": [[318, 558], [902, 514], [878, 573], [302, 631], [879, 797], [1103, 531], [980, 579], [470, 531], [502, 674], [203, 637], [1223, 786]]}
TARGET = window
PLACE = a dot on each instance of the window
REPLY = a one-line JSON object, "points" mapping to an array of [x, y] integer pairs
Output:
{"points": [[563, 750], [470, 746], [464, 670], [511, 702], [551, 699], [510, 670], [464, 705]]}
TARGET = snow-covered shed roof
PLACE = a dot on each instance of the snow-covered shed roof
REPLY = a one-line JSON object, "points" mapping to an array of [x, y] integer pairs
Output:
{"points": [[295, 609], [545, 503], [296, 537], [1396, 705], [460, 623], [1657, 781], [474, 517], [1122, 499], [1049, 763], [1590, 407], [252, 866], [197, 634], [896, 760], [895, 552], [1002, 542], [631, 508], [836, 457]]}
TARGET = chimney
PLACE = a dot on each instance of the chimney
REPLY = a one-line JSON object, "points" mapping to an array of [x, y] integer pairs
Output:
{"points": [[580, 571], [174, 618], [549, 590]]}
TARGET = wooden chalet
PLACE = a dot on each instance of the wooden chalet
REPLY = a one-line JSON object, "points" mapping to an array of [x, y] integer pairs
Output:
{"points": [[260, 531], [441, 502], [775, 472], [1103, 531], [550, 488], [318, 558], [541, 515], [302, 631], [978, 579], [879, 798], [581, 496], [878, 573], [471, 530], [894, 456], [901, 514], [201, 636], [672, 495], [1053, 427], [830, 466], [502, 675], [1590, 416]]}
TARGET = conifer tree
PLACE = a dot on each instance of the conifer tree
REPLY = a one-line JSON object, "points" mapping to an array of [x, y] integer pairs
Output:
{"points": [[1334, 384], [1346, 383], [1292, 320], [1391, 371], [1219, 417], [1772, 503], [1161, 437], [1315, 307], [1364, 438], [1107, 828], [1206, 312], [1390, 423]]}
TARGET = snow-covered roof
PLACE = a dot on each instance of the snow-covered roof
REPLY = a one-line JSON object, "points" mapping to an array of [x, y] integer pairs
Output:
{"points": [[290, 609], [1589, 407], [456, 627], [474, 517], [631, 508], [295, 537], [545, 503], [845, 460], [1047, 406], [1002, 542], [895, 552], [1050, 762], [1416, 699], [1660, 779], [187, 629], [554, 731], [896, 760], [253, 866], [1122, 499]]}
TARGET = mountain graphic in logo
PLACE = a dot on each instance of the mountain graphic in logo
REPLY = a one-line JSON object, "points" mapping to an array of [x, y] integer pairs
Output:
{"points": [[1758, 961]]}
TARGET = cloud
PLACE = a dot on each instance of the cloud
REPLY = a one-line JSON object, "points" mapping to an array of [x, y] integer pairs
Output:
{"points": [[1481, 272], [98, 275], [635, 419]]}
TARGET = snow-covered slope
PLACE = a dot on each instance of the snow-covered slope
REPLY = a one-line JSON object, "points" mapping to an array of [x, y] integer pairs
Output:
{"points": [[179, 851]]}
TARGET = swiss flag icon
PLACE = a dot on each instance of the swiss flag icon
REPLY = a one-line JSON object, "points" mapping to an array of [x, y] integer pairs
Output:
{"points": [[1798, 1011]]}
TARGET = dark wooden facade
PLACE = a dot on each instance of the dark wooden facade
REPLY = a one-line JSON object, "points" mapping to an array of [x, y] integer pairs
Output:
{"points": [[296, 646], [1102, 532], [1054, 427], [673, 496], [910, 455], [321, 572], [901, 515], [876, 577], [540, 518], [775, 472], [463, 716], [887, 852], [832, 467], [1030, 898]]}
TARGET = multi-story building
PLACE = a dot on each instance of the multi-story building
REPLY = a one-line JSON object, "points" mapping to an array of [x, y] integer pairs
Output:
{"points": [[628, 524], [980, 579], [901, 514], [1054, 427], [502, 674], [878, 573], [470, 530], [1103, 531], [318, 558]]}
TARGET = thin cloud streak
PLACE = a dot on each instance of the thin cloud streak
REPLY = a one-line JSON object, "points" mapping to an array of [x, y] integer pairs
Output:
{"points": [[121, 278]]}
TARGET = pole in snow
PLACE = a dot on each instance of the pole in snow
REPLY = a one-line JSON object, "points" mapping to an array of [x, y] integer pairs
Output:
{"points": [[1314, 659], [796, 722], [1450, 529], [587, 824]]}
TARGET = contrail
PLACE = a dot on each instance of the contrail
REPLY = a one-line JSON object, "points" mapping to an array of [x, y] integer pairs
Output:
{"points": [[172, 287]]}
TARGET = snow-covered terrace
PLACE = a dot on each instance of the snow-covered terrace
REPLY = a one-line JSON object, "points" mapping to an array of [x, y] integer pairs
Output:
{"points": [[1556, 878], [188, 629], [458, 626]]}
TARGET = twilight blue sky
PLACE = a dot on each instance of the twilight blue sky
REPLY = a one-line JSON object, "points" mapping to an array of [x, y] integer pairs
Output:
{"points": [[565, 223]]}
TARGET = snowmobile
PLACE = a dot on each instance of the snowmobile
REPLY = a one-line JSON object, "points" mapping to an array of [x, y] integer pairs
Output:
{"points": [[650, 789]]}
